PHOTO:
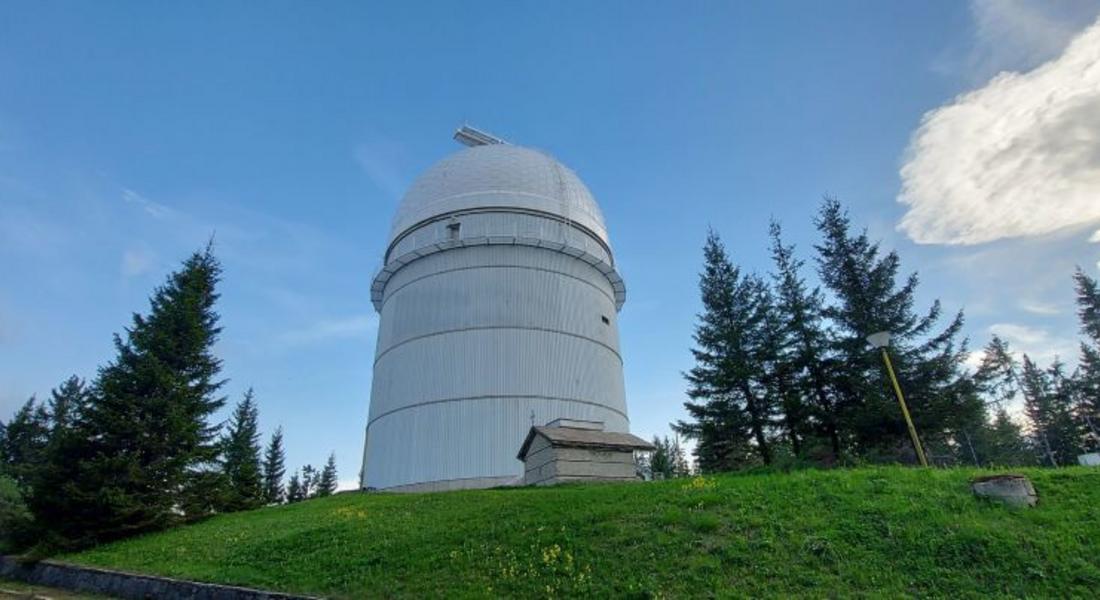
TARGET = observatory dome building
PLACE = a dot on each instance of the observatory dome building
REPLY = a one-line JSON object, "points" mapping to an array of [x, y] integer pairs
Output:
{"points": [[498, 301]]}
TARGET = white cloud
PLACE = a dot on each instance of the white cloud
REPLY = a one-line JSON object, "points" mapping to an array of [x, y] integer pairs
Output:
{"points": [[1095, 238], [1018, 157], [1040, 308]]}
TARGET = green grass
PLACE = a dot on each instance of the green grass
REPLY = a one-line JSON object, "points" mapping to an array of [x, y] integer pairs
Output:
{"points": [[870, 532]]}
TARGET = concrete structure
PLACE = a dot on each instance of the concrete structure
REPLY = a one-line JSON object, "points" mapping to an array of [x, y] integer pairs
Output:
{"points": [[1092, 459], [569, 450], [498, 302], [106, 583]]}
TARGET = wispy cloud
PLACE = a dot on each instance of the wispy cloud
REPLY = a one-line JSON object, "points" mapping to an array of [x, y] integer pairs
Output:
{"points": [[1018, 157], [1012, 34], [153, 209], [1039, 344]]}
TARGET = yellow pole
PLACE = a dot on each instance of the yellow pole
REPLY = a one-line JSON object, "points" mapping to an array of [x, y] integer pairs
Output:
{"points": [[904, 409]]}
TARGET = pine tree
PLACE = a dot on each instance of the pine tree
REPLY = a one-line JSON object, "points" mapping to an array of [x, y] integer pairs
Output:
{"points": [[16, 522], [142, 450], [731, 408], [23, 445], [660, 461], [997, 375], [1048, 403], [780, 384], [1067, 428], [804, 345], [274, 469], [241, 456], [680, 465], [309, 481], [294, 490], [1088, 375], [868, 298], [1003, 443], [327, 482]]}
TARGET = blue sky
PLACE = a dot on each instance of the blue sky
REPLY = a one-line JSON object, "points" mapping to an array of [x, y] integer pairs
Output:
{"points": [[962, 134]]}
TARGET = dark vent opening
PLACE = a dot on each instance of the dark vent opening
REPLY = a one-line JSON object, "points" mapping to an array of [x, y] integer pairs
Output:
{"points": [[453, 229]]}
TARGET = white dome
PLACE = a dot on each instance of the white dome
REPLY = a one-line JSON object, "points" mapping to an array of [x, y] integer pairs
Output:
{"points": [[499, 175]]}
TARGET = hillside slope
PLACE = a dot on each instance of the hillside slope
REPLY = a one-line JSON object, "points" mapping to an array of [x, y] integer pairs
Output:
{"points": [[880, 531]]}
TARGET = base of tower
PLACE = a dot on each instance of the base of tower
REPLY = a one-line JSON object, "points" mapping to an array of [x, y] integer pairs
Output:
{"points": [[446, 485]]}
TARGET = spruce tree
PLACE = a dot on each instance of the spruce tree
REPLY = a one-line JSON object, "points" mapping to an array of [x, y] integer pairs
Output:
{"points": [[863, 279], [1069, 431], [23, 445], [66, 402], [660, 461], [731, 410], [780, 384], [804, 345], [1003, 443], [142, 452], [328, 481], [294, 490], [1088, 375], [997, 375], [274, 469], [1000, 442], [16, 523], [680, 465], [1048, 403], [241, 456], [309, 481]]}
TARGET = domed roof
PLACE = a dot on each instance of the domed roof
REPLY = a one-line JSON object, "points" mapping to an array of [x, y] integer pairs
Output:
{"points": [[499, 175]]}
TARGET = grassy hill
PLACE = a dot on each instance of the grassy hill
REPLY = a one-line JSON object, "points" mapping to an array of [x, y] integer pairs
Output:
{"points": [[875, 531]]}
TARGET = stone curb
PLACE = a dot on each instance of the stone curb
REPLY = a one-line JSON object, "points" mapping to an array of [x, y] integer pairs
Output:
{"points": [[129, 586]]}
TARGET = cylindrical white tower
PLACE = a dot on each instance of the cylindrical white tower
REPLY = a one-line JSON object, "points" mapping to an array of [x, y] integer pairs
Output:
{"points": [[498, 300]]}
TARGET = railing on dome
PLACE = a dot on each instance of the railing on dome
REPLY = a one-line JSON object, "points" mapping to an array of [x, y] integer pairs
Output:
{"points": [[471, 136]]}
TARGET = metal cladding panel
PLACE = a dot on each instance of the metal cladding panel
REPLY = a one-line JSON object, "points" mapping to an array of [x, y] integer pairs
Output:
{"points": [[499, 175], [463, 440], [496, 362], [498, 301], [490, 256], [493, 223], [514, 294]]}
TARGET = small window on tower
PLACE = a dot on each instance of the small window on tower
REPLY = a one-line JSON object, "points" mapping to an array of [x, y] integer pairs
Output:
{"points": [[453, 229], [605, 320]]}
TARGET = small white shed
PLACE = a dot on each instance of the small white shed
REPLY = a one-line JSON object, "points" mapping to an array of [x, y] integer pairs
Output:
{"points": [[571, 450]]}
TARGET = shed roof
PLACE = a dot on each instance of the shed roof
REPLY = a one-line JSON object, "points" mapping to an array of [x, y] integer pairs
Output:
{"points": [[569, 437]]}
